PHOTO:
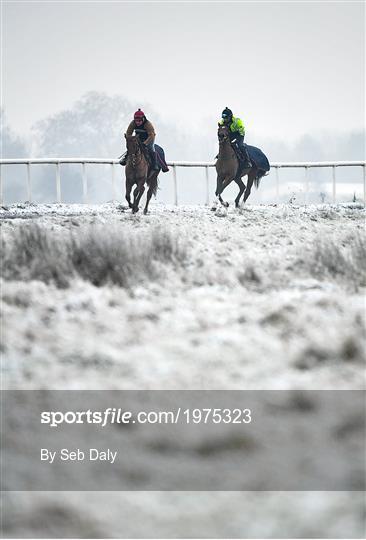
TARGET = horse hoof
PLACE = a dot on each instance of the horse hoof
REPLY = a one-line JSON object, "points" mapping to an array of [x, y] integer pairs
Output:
{"points": [[145, 211], [221, 211], [213, 209], [226, 204], [135, 210]]}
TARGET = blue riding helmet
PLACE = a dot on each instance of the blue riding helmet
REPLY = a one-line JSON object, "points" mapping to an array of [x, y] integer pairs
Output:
{"points": [[226, 113]]}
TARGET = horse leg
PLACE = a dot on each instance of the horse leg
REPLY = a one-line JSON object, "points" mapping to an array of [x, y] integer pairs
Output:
{"points": [[216, 201], [241, 185], [153, 185], [140, 193], [226, 181], [224, 184], [137, 194], [128, 193], [251, 177], [148, 197], [135, 207]]}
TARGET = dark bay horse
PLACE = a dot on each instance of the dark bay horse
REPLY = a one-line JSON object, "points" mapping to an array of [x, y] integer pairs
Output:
{"points": [[137, 173], [227, 168]]}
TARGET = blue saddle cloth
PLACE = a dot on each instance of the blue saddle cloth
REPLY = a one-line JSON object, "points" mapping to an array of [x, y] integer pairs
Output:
{"points": [[160, 154], [256, 156]]}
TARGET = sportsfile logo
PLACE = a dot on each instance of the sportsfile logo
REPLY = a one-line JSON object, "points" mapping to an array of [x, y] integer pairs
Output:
{"points": [[111, 415], [114, 415]]}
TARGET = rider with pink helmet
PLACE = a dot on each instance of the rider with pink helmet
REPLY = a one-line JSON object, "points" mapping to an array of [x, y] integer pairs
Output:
{"points": [[144, 129]]}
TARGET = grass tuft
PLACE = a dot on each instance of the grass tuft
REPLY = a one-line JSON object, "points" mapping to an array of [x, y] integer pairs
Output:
{"points": [[99, 255], [347, 261]]}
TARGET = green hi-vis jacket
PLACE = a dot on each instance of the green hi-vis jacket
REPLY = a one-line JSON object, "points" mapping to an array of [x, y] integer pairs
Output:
{"points": [[236, 126]]}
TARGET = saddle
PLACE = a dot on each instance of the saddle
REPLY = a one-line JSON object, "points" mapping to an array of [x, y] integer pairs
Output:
{"points": [[242, 158], [160, 157], [239, 154]]}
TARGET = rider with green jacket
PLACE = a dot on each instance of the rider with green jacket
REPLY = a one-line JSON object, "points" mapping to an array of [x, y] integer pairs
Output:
{"points": [[237, 133]]}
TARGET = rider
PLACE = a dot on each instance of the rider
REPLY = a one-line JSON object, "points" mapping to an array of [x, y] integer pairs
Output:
{"points": [[146, 133], [237, 133]]}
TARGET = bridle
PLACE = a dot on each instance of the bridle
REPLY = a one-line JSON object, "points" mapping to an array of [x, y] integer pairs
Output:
{"points": [[222, 135], [136, 155]]}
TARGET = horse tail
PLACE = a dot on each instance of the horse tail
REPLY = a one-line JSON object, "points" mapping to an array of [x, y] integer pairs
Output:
{"points": [[259, 176], [154, 184]]}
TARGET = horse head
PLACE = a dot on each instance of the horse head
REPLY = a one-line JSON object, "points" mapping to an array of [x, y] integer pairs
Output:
{"points": [[133, 145], [223, 133]]}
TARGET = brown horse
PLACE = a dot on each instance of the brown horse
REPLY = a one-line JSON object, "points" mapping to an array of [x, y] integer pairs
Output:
{"points": [[227, 168], [137, 173]]}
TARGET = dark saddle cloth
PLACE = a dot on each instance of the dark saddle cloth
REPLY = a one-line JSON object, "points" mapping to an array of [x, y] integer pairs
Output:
{"points": [[258, 158], [160, 157]]}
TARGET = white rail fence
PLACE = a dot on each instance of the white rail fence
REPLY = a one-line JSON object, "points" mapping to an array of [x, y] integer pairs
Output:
{"points": [[333, 165]]}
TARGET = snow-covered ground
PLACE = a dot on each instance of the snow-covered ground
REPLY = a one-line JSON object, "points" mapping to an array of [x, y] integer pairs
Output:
{"points": [[250, 308], [244, 311]]}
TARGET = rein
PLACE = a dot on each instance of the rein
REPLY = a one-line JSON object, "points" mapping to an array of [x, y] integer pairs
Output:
{"points": [[225, 140], [137, 156]]}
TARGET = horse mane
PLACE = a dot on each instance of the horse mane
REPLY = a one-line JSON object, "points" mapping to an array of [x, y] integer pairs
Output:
{"points": [[135, 138]]}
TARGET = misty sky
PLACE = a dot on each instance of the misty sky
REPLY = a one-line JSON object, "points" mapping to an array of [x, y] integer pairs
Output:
{"points": [[287, 68]]}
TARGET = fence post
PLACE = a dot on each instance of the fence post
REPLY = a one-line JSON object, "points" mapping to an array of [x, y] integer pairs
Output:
{"points": [[85, 184], [277, 185], [58, 183], [207, 187], [334, 194], [364, 185], [29, 190], [306, 185], [113, 182], [1, 186], [175, 185]]}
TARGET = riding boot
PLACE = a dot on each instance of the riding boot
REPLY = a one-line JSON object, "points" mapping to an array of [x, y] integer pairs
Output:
{"points": [[123, 159], [160, 157], [248, 163], [154, 162]]}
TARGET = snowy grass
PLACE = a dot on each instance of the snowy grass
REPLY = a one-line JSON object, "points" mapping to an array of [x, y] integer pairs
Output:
{"points": [[263, 301], [328, 258], [96, 254]]}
